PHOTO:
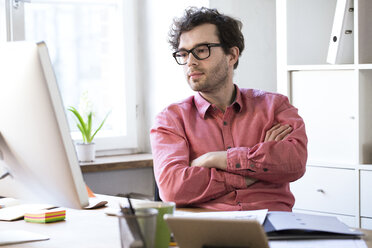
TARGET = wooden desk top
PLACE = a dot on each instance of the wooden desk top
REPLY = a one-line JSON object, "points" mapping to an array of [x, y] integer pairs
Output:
{"points": [[85, 228]]}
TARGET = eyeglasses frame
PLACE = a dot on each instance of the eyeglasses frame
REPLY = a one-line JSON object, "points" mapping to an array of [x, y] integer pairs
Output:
{"points": [[209, 45]]}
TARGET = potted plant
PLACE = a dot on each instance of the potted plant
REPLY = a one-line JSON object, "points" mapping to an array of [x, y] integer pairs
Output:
{"points": [[86, 150]]}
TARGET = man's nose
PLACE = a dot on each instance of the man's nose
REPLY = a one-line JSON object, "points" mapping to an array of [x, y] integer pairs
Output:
{"points": [[191, 60]]}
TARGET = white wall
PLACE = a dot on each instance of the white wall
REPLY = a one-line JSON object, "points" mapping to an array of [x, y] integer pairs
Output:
{"points": [[2, 22], [257, 66]]}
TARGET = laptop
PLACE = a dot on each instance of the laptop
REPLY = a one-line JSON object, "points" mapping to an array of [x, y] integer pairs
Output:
{"points": [[196, 232]]}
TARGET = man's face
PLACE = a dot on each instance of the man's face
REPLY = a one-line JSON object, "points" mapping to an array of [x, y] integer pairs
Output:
{"points": [[210, 74]]}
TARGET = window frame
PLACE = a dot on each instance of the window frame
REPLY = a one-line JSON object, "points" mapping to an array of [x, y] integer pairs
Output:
{"points": [[15, 31]]}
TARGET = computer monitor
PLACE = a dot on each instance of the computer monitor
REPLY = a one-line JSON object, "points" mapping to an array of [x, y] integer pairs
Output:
{"points": [[36, 149]]}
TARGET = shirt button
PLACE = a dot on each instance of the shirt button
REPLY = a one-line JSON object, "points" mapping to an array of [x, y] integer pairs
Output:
{"points": [[225, 123], [237, 165], [252, 165], [265, 169], [228, 147]]}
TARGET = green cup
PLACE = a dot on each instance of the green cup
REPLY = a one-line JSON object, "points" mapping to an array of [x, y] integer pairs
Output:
{"points": [[163, 233]]}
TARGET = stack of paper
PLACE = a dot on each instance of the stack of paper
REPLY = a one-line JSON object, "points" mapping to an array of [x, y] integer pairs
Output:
{"points": [[258, 215], [45, 216]]}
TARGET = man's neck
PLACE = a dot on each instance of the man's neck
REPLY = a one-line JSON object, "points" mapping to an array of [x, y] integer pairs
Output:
{"points": [[222, 98]]}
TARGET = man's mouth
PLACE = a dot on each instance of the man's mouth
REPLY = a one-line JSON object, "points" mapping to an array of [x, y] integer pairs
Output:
{"points": [[195, 75]]}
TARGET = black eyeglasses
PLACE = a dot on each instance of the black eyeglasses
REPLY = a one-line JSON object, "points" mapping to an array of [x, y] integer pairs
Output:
{"points": [[200, 52]]}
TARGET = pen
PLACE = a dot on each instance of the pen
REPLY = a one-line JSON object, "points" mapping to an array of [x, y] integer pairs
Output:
{"points": [[130, 217]]}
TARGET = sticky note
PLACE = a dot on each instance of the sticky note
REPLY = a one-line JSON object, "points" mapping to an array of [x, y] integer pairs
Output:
{"points": [[45, 216]]}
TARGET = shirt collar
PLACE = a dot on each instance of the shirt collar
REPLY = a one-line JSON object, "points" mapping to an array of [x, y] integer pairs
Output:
{"points": [[203, 105]]}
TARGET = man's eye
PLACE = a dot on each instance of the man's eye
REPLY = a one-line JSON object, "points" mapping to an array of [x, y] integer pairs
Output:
{"points": [[202, 50], [182, 54]]}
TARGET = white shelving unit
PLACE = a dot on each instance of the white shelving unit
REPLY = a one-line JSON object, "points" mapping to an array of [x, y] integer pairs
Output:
{"points": [[336, 104]]}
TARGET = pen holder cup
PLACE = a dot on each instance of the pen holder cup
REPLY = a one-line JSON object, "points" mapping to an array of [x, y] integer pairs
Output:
{"points": [[163, 234], [138, 230]]}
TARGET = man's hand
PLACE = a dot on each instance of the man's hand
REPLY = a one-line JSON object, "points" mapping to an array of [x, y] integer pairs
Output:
{"points": [[249, 181], [278, 132], [216, 160]]}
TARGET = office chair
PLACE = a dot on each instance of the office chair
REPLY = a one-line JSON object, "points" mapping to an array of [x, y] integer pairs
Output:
{"points": [[156, 193]]}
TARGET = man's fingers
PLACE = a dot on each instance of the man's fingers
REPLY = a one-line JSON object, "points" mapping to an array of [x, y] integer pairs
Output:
{"points": [[270, 131], [278, 132], [283, 134], [198, 161], [274, 131]]}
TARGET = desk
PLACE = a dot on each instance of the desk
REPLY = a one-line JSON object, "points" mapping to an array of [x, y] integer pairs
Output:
{"points": [[85, 228], [82, 228]]}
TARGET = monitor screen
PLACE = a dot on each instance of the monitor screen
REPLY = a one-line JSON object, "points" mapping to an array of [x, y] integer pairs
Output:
{"points": [[38, 162]]}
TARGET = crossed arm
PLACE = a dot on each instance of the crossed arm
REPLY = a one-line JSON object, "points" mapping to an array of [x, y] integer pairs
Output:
{"points": [[218, 159], [279, 157]]}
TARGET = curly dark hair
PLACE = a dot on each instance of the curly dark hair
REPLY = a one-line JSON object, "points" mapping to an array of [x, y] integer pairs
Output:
{"points": [[229, 29]]}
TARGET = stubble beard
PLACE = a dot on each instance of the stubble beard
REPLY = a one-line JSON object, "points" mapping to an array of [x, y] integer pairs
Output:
{"points": [[212, 81]]}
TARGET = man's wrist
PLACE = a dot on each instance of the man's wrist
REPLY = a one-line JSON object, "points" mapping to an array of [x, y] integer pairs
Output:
{"points": [[249, 181]]}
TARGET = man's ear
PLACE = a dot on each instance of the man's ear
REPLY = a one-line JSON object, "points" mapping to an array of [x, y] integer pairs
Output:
{"points": [[234, 55]]}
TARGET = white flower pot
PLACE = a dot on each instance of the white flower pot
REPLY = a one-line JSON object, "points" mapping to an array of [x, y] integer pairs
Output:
{"points": [[86, 152]]}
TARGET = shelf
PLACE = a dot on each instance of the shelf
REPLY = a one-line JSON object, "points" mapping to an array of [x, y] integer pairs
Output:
{"points": [[305, 27], [332, 165], [365, 167], [365, 66], [320, 67], [123, 162], [329, 67]]}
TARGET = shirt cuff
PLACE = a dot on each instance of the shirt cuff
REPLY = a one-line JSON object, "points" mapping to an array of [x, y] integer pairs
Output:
{"points": [[237, 159], [233, 182]]}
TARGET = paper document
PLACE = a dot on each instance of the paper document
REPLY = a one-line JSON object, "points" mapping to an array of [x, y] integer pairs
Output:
{"points": [[7, 202], [258, 215], [8, 237], [318, 243]]}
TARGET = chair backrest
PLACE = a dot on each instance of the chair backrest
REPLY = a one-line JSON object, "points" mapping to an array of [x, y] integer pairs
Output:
{"points": [[156, 193]]}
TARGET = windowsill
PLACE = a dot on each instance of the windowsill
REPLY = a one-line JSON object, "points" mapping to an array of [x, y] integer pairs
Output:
{"points": [[119, 162]]}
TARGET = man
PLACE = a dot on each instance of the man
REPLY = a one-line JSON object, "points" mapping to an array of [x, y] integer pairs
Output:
{"points": [[225, 148]]}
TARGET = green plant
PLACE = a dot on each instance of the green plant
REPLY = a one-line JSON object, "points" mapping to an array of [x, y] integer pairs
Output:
{"points": [[85, 127]]}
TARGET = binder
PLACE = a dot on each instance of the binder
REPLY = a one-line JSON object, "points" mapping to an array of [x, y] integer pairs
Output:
{"points": [[341, 43], [289, 225]]}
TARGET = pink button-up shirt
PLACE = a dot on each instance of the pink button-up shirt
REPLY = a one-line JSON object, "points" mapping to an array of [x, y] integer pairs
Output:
{"points": [[188, 129]]}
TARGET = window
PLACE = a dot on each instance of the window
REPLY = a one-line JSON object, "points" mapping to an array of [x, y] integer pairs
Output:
{"points": [[88, 50], [100, 50]]}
